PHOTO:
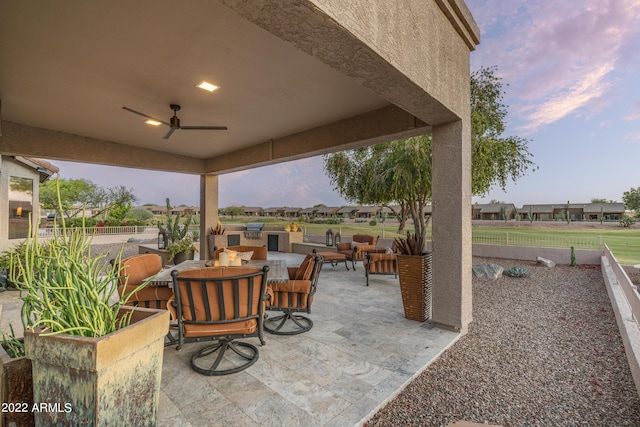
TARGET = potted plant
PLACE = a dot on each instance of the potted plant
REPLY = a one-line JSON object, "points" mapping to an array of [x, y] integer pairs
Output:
{"points": [[181, 250], [16, 383], [215, 238], [89, 352], [414, 272]]}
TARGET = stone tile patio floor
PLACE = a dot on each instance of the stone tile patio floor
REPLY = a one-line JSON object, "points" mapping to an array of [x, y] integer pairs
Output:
{"points": [[359, 354]]}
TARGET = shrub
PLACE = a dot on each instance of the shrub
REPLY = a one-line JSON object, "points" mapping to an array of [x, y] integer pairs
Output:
{"points": [[77, 222], [139, 214], [373, 223], [627, 221]]}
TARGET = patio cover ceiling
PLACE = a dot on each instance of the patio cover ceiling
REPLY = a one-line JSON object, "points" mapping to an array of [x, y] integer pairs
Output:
{"points": [[293, 83]]}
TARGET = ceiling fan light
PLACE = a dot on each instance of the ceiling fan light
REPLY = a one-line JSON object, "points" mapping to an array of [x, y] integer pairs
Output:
{"points": [[153, 122], [207, 86]]}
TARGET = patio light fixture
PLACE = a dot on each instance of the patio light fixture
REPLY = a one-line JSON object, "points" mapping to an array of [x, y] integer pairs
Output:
{"points": [[162, 239], [329, 237], [207, 86]]}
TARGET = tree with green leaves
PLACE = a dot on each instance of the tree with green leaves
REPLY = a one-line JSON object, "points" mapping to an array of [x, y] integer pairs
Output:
{"points": [[399, 172], [74, 192], [234, 211], [631, 200]]}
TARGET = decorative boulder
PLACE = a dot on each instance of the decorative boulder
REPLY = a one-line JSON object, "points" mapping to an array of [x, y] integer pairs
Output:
{"points": [[545, 262], [488, 271]]}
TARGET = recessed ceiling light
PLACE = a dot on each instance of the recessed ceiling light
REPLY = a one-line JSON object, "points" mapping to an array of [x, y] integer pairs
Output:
{"points": [[207, 86], [153, 122]]}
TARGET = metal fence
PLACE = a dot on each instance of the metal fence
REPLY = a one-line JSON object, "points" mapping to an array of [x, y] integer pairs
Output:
{"points": [[96, 231], [522, 239], [484, 238]]}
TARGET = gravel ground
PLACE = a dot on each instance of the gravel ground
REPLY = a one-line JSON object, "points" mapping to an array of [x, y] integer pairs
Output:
{"points": [[542, 351], [111, 249]]}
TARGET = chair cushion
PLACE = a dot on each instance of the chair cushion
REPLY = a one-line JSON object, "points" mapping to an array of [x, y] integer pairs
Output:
{"points": [[135, 269], [199, 296], [306, 268], [364, 238], [293, 294], [245, 256]]}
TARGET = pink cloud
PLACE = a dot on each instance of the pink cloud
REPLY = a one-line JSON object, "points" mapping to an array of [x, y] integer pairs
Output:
{"points": [[559, 58]]}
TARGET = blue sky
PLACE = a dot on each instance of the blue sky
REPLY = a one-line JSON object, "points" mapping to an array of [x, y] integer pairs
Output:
{"points": [[570, 69]]}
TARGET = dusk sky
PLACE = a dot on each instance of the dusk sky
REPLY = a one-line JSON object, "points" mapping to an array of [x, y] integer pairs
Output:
{"points": [[571, 73]]}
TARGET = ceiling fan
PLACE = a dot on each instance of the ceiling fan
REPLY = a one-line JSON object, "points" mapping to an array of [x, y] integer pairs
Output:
{"points": [[174, 122]]}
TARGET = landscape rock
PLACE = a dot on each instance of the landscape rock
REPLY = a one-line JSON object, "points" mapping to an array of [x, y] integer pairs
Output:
{"points": [[545, 262], [488, 271]]}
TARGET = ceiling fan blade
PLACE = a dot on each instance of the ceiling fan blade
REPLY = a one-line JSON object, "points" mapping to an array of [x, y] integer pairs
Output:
{"points": [[145, 115], [168, 135], [203, 127]]}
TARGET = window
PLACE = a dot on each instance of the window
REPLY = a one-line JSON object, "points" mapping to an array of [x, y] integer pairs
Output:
{"points": [[20, 206]]}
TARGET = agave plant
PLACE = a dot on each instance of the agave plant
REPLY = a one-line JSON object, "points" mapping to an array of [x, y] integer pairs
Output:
{"points": [[412, 245]]}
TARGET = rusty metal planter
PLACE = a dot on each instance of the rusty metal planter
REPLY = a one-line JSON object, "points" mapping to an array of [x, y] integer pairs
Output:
{"points": [[16, 390], [108, 381], [414, 272]]}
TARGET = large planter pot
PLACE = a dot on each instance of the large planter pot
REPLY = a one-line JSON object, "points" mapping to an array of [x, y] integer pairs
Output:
{"points": [[108, 381], [414, 272], [183, 256], [16, 390]]}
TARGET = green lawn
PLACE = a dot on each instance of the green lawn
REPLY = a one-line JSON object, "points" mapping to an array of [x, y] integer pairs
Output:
{"points": [[623, 242]]}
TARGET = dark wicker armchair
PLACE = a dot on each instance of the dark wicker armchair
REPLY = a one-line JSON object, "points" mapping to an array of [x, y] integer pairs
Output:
{"points": [[294, 296], [221, 304]]}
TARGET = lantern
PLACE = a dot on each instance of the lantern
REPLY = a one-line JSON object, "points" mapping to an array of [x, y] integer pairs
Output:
{"points": [[336, 238], [329, 237], [162, 239]]}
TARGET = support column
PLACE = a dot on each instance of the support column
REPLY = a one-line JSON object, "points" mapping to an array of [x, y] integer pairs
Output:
{"points": [[208, 210], [451, 187]]}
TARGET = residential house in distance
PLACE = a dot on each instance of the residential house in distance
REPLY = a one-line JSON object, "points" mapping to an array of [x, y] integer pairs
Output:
{"points": [[185, 210], [308, 211], [292, 212], [274, 212], [157, 209], [348, 212], [494, 211], [576, 212], [327, 211], [368, 211], [252, 211]]}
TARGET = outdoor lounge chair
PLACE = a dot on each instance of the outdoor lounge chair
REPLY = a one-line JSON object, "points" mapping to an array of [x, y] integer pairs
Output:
{"points": [[133, 271], [355, 250], [294, 296], [221, 304], [380, 261]]}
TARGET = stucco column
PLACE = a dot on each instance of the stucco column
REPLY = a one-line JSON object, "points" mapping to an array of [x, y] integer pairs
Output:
{"points": [[208, 209], [451, 174]]}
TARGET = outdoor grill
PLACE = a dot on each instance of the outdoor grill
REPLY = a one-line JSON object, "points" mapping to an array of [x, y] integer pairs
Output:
{"points": [[254, 230]]}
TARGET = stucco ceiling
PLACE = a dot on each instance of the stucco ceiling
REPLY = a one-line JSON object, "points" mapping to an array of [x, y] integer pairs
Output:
{"points": [[71, 66]]}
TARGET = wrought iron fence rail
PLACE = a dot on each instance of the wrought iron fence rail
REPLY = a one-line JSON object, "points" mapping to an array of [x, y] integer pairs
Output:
{"points": [[505, 239], [111, 230]]}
